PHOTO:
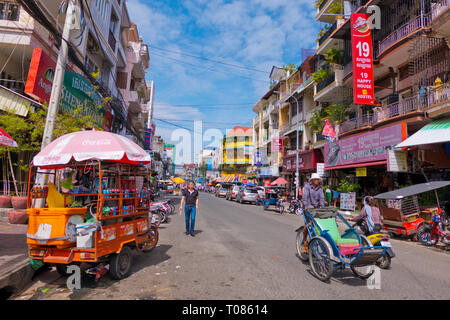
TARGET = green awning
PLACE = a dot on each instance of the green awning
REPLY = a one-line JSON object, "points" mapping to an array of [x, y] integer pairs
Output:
{"points": [[435, 132]]}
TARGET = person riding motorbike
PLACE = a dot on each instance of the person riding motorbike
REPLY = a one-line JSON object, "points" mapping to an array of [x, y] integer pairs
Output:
{"points": [[370, 219]]}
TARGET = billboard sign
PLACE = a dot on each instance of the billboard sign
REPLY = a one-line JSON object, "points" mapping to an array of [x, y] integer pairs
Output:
{"points": [[362, 55], [368, 147]]}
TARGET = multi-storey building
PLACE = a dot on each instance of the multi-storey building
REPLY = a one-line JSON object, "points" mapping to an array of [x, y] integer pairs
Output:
{"points": [[101, 52], [411, 60]]}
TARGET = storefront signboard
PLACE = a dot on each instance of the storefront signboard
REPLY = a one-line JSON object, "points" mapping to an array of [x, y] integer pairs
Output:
{"points": [[363, 84], [363, 148], [321, 169], [397, 161], [361, 172], [348, 201], [78, 95]]}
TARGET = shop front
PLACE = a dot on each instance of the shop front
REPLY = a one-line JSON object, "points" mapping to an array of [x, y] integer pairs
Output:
{"points": [[307, 164], [363, 159]]}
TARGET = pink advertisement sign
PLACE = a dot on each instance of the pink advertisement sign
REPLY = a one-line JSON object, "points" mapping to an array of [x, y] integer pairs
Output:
{"points": [[362, 148]]}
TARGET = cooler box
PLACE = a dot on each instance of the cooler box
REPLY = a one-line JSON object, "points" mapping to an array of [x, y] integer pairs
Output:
{"points": [[50, 223], [85, 241]]}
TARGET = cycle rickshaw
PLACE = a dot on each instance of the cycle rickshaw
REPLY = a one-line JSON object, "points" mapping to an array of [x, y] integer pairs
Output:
{"points": [[326, 249]]}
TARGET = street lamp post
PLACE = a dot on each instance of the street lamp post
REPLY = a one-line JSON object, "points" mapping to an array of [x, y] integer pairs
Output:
{"points": [[297, 177]]}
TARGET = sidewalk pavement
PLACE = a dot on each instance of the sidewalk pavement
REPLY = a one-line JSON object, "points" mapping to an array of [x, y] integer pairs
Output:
{"points": [[15, 269]]}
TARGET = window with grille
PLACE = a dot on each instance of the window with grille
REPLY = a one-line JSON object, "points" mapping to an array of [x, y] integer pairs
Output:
{"points": [[9, 11]]}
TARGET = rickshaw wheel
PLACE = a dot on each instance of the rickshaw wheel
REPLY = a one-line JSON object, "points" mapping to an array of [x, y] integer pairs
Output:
{"points": [[358, 271], [121, 263], [301, 253], [154, 232], [320, 259]]}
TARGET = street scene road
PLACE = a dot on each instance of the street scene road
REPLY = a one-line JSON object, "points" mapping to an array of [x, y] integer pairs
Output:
{"points": [[243, 252]]}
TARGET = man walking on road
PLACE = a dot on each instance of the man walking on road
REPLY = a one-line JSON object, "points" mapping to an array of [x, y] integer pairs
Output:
{"points": [[190, 199]]}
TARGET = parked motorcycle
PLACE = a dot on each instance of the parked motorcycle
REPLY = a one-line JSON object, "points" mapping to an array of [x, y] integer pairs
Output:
{"points": [[430, 233], [293, 206]]}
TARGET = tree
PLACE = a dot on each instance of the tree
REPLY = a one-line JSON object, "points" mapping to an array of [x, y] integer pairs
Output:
{"points": [[337, 113]]}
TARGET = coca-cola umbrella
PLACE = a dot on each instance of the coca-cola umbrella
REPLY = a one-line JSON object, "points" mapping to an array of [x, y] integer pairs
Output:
{"points": [[280, 181], [91, 145], [6, 140]]}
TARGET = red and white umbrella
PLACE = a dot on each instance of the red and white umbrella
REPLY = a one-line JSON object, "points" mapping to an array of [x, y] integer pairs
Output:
{"points": [[91, 145], [279, 181], [6, 140]]}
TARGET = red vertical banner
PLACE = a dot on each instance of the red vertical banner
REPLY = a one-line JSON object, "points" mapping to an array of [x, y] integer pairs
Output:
{"points": [[362, 52]]}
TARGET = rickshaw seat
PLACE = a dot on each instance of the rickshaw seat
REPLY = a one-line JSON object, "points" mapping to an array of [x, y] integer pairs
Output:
{"points": [[331, 226]]}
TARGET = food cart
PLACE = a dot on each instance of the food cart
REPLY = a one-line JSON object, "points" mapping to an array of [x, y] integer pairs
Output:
{"points": [[96, 206], [400, 208]]}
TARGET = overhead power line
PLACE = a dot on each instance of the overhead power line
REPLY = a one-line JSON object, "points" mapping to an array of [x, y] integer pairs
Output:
{"points": [[207, 69], [207, 59]]}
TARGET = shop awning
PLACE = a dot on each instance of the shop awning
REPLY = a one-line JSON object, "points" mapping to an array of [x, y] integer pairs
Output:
{"points": [[359, 165], [435, 132], [413, 190]]}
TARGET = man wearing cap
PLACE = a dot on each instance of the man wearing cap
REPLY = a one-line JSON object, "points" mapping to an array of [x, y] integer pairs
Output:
{"points": [[313, 196]]}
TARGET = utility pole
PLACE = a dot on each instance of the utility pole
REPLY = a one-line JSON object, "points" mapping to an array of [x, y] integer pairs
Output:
{"points": [[297, 175], [58, 80], [150, 110], [55, 96]]}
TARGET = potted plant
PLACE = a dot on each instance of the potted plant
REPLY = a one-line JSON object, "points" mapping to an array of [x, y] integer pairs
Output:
{"points": [[321, 74], [336, 8], [333, 57], [19, 202], [5, 201]]}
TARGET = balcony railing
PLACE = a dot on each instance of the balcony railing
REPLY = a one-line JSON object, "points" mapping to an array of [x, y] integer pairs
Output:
{"points": [[324, 2], [112, 41], [328, 33], [325, 83], [405, 106], [438, 95], [439, 7], [405, 30]]}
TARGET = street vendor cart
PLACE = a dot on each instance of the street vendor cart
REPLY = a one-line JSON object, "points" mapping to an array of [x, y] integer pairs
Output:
{"points": [[96, 205]]}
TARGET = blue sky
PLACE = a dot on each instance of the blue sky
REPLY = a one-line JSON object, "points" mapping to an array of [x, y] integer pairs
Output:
{"points": [[256, 34]]}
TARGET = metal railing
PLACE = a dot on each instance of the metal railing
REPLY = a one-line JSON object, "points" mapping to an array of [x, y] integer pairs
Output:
{"points": [[325, 83], [437, 95], [112, 41], [327, 34], [402, 32], [439, 7], [324, 2]]}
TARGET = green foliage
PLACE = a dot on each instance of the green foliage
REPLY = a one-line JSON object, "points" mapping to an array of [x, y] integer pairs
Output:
{"points": [[346, 187], [336, 8], [333, 56], [317, 120], [290, 68], [337, 112], [322, 31], [321, 75], [317, 3]]}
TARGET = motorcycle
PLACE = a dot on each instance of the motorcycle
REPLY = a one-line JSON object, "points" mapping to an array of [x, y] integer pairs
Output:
{"points": [[293, 206], [430, 233], [378, 239], [280, 205]]}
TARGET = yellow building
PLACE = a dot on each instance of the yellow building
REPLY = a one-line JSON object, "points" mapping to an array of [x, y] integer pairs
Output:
{"points": [[237, 149]]}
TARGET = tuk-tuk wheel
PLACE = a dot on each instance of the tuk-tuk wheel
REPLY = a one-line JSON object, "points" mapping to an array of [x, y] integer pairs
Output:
{"points": [[320, 259], [155, 238], [121, 263], [62, 269]]}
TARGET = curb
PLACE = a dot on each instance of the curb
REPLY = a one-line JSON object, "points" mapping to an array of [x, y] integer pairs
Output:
{"points": [[16, 277]]}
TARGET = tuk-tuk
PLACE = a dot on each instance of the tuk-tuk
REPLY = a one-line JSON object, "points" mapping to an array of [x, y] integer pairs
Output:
{"points": [[272, 198], [400, 208]]}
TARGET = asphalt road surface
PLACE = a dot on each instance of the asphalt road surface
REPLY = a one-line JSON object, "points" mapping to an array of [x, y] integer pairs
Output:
{"points": [[242, 252]]}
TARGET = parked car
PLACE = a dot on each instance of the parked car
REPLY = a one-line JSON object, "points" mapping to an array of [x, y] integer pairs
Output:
{"points": [[221, 192], [232, 193], [249, 195]]}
